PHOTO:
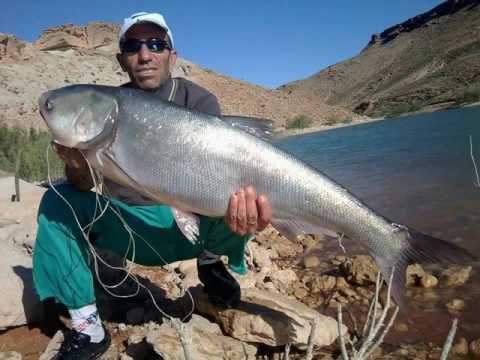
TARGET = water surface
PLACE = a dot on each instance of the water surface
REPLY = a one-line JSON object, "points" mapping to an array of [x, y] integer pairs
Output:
{"points": [[418, 171]]}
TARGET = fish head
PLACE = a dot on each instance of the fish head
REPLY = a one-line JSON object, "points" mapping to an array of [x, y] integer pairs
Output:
{"points": [[79, 116]]}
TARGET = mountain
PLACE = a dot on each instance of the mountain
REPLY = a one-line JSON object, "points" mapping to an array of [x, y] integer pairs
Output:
{"points": [[428, 62], [71, 54]]}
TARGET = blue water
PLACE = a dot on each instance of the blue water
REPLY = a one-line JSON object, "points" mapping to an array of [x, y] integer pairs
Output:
{"points": [[418, 171]]}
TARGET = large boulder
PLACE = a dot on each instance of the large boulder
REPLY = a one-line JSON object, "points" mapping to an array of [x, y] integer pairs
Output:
{"points": [[205, 338], [19, 303], [270, 318], [62, 37], [10, 46]]}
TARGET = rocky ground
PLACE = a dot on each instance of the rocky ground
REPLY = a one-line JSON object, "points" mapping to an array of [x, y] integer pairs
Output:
{"points": [[288, 288]]}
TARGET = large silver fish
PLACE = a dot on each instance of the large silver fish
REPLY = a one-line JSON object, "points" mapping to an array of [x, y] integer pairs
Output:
{"points": [[194, 162]]}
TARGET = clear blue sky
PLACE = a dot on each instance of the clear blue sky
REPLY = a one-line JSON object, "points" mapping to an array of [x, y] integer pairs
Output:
{"points": [[267, 42]]}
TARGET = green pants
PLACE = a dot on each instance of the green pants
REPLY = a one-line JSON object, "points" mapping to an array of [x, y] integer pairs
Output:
{"points": [[61, 261]]}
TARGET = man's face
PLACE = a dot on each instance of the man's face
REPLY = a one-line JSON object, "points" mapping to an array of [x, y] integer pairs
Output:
{"points": [[147, 69]]}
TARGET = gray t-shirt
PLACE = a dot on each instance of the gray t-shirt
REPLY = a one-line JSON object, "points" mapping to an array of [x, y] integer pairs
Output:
{"points": [[183, 93]]}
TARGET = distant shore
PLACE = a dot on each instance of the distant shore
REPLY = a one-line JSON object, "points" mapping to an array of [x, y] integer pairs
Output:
{"points": [[282, 132]]}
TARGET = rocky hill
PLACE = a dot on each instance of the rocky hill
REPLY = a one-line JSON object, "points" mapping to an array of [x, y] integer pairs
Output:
{"points": [[428, 62], [71, 54]]}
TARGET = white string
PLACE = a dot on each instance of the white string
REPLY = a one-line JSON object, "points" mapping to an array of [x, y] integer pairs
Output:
{"points": [[131, 245], [340, 238], [473, 161]]}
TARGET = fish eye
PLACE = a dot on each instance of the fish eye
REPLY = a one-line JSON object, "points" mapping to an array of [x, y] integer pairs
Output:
{"points": [[49, 105]]}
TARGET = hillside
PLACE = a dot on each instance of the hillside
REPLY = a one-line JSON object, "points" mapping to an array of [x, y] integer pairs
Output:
{"points": [[71, 54], [428, 62]]}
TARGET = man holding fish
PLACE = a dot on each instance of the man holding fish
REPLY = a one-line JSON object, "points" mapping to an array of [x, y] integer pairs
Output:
{"points": [[61, 257]]}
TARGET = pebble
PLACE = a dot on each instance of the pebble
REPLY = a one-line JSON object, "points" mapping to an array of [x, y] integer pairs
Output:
{"points": [[415, 273], [461, 347], [428, 281], [475, 347], [455, 275], [311, 261], [300, 293], [10, 355], [456, 305], [402, 327]]}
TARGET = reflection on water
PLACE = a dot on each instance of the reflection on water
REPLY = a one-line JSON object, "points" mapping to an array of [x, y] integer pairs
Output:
{"points": [[417, 171]]}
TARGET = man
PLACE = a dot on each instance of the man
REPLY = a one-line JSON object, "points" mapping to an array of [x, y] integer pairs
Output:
{"points": [[61, 256]]}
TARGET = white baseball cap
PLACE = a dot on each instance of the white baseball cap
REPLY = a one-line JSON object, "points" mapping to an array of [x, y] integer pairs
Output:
{"points": [[143, 17]]}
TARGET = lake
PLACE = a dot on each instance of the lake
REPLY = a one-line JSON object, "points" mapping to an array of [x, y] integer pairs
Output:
{"points": [[418, 171]]}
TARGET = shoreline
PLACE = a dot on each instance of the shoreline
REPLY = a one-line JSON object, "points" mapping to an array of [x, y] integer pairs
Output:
{"points": [[280, 133]]}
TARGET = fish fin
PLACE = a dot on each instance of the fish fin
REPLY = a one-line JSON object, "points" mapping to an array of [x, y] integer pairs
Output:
{"points": [[422, 248], [188, 223], [260, 128], [292, 228]]}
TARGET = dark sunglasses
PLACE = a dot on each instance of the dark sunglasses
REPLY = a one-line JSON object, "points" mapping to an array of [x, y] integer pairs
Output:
{"points": [[153, 44]]}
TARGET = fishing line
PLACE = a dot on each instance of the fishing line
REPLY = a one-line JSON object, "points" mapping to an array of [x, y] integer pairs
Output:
{"points": [[85, 230]]}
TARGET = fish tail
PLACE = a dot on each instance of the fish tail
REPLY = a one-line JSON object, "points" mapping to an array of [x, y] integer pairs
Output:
{"points": [[421, 248]]}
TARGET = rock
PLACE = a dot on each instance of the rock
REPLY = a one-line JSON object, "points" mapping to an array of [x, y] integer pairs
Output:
{"points": [[100, 34], [10, 355], [62, 37], [261, 256], [19, 303], [455, 276], [460, 347], [414, 274], [341, 283], [360, 270], [271, 319], [300, 293], [475, 347], [283, 278], [52, 347], [338, 260], [402, 327], [456, 305], [429, 281], [10, 46], [322, 283], [207, 342], [311, 261]]}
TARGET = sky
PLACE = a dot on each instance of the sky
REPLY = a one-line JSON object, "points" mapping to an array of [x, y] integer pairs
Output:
{"points": [[266, 42]]}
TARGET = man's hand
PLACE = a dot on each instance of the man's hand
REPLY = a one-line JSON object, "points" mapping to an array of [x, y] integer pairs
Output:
{"points": [[248, 213], [76, 169], [71, 157]]}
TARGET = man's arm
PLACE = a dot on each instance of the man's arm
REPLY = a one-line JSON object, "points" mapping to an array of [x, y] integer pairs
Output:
{"points": [[76, 167]]}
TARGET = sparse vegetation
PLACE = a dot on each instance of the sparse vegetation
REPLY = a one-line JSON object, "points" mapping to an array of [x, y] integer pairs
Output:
{"points": [[33, 143], [299, 122], [470, 95], [402, 109]]}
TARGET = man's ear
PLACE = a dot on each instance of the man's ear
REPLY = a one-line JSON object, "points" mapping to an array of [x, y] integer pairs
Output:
{"points": [[172, 59], [120, 61]]}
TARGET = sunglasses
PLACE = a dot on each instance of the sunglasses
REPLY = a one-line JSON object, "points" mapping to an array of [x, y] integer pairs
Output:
{"points": [[153, 44]]}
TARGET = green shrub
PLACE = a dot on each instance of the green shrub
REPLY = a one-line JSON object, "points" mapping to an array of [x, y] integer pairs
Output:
{"points": [[299, 122], [33, 144], [402, 109], [469, 96]]}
